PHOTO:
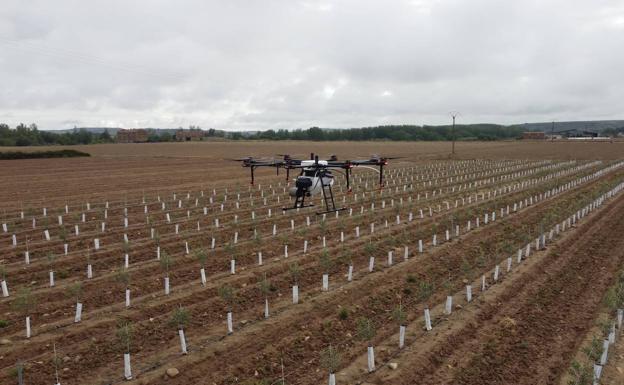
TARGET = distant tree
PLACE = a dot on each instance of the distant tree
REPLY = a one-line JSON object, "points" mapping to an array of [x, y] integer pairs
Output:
{"points": [[105, 137], [315, 133]]}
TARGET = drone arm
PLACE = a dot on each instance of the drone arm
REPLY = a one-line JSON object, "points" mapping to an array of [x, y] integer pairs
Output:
{"points": [[252, 174]]}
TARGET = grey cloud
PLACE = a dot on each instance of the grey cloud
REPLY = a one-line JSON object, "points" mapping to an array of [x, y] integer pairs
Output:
{"points": [[287, 64]]}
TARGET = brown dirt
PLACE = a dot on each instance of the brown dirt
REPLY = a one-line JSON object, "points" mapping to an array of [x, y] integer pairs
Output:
{"points": [[551, 307], [119, 169], [122, 174]]}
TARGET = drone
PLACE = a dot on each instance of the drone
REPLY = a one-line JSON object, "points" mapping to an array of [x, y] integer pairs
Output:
{"points": [[315, 176]]}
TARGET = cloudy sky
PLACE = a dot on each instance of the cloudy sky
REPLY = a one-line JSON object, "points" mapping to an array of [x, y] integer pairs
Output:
{"points": [[246, 65]]}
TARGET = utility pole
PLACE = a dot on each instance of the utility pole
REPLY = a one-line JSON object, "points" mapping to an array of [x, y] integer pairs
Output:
{"points": [[552, 132], [453, 114]]}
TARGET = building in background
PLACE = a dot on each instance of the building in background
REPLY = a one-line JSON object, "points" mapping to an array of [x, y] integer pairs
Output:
{"points": [[533, 135], [137, 135], [189, 135]]}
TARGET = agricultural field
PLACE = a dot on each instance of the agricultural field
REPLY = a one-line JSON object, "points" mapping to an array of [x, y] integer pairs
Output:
{"points": [[161, 264]]}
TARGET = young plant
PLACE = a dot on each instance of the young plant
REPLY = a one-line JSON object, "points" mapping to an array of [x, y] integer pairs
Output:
{"points": [[399, 315], [257, 239], [126, 247], [370, 249], [366, 332], [230, 249], [325, 261], [330, 360], [346, 256], [75, 291], [227, 294], [51, 261], [284, 239], [265, 287], [180, 318], [123, 277], [24, 304], [63, 234], [56, 362], [323, 227], [124, 335], [425, 290], [166, 261], [295, 272], [202, 257]]}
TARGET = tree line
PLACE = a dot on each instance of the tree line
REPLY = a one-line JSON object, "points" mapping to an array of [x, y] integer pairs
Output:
{"points": [[23, 135], [29, 135], [391, 132]]}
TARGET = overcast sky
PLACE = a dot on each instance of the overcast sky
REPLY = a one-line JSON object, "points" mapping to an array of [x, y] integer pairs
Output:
{"points": [[264, 64]]}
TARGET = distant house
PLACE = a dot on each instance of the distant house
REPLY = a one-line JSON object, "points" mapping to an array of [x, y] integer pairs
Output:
{"points": [[533, 135], [189, 135], [138, 135]]}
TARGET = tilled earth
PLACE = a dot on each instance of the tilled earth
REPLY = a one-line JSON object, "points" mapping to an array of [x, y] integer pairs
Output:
{"points": [[524, 329]]}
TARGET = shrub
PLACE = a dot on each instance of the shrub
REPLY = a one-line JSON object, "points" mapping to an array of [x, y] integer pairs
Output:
{"points": [[42, 154]]}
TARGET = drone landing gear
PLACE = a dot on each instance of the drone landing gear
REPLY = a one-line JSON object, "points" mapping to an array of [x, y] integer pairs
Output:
{"points": [[299, 202], [328, 197]]}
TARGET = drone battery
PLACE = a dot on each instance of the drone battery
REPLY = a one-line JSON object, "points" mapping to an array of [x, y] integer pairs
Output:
{"points": [[303, 183]]}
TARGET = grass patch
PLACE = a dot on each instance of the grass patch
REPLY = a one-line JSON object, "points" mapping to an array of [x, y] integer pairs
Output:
{"points": [[42, 154]]}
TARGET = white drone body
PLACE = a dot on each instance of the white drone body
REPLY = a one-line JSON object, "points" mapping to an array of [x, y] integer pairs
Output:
{"points": [[312, 179]]}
